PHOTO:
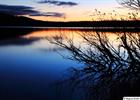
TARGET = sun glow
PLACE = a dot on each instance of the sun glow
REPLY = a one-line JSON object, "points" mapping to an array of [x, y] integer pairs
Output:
{"points": [[95, 15]]}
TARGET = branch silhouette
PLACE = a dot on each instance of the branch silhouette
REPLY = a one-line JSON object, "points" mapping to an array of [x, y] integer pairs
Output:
{"points": [[105, 65], [133, 4]]}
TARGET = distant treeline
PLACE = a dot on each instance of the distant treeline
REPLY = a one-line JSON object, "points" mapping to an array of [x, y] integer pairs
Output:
{"points": [[10, 20]]}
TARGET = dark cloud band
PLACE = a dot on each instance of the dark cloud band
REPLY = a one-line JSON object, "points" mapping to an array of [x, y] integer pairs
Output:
{"points": [[25, 10], [17, 10], [50, 14], [58, 3]]}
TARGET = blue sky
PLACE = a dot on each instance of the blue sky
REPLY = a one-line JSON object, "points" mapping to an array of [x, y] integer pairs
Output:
{"points": [[61, 9], [96, 3]]}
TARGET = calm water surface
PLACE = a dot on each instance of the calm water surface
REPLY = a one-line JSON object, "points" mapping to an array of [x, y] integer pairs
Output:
{"points": [[30, 64]]}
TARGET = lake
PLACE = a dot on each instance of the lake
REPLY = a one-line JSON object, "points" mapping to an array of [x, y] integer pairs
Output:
{"points": [[30, 65]]}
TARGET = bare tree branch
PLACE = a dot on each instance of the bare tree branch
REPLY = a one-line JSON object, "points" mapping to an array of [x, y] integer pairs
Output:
{"points": [[133, 4], [105, 64]]}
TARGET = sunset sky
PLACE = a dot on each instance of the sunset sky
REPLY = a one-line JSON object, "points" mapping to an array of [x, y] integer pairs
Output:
{"points": [[60, 10]]}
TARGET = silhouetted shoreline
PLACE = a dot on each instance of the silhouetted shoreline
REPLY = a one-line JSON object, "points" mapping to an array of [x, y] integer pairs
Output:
{"points": [[10, 25], [10, 20]]}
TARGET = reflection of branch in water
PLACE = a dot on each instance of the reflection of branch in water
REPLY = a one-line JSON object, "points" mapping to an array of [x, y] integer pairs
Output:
{"points": [[106, 65]]}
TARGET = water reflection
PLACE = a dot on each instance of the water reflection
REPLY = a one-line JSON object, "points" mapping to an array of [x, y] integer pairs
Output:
{"points": [[18, 41], [28, 66], [7, 33], [99, 63], [107, 65]]}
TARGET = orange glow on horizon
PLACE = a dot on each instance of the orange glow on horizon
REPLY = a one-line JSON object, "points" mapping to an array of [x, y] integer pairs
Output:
{"points": [[52, 32], [93, 16], [68, 34]]}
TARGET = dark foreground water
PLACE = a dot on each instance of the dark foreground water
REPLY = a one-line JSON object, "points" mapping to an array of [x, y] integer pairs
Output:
{"points": [[30, 66]]}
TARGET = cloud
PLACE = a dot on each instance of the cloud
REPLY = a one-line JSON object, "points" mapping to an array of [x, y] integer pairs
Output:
{"points": [[58, 3], [17, 10], [50, 14], [25, 10]]}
